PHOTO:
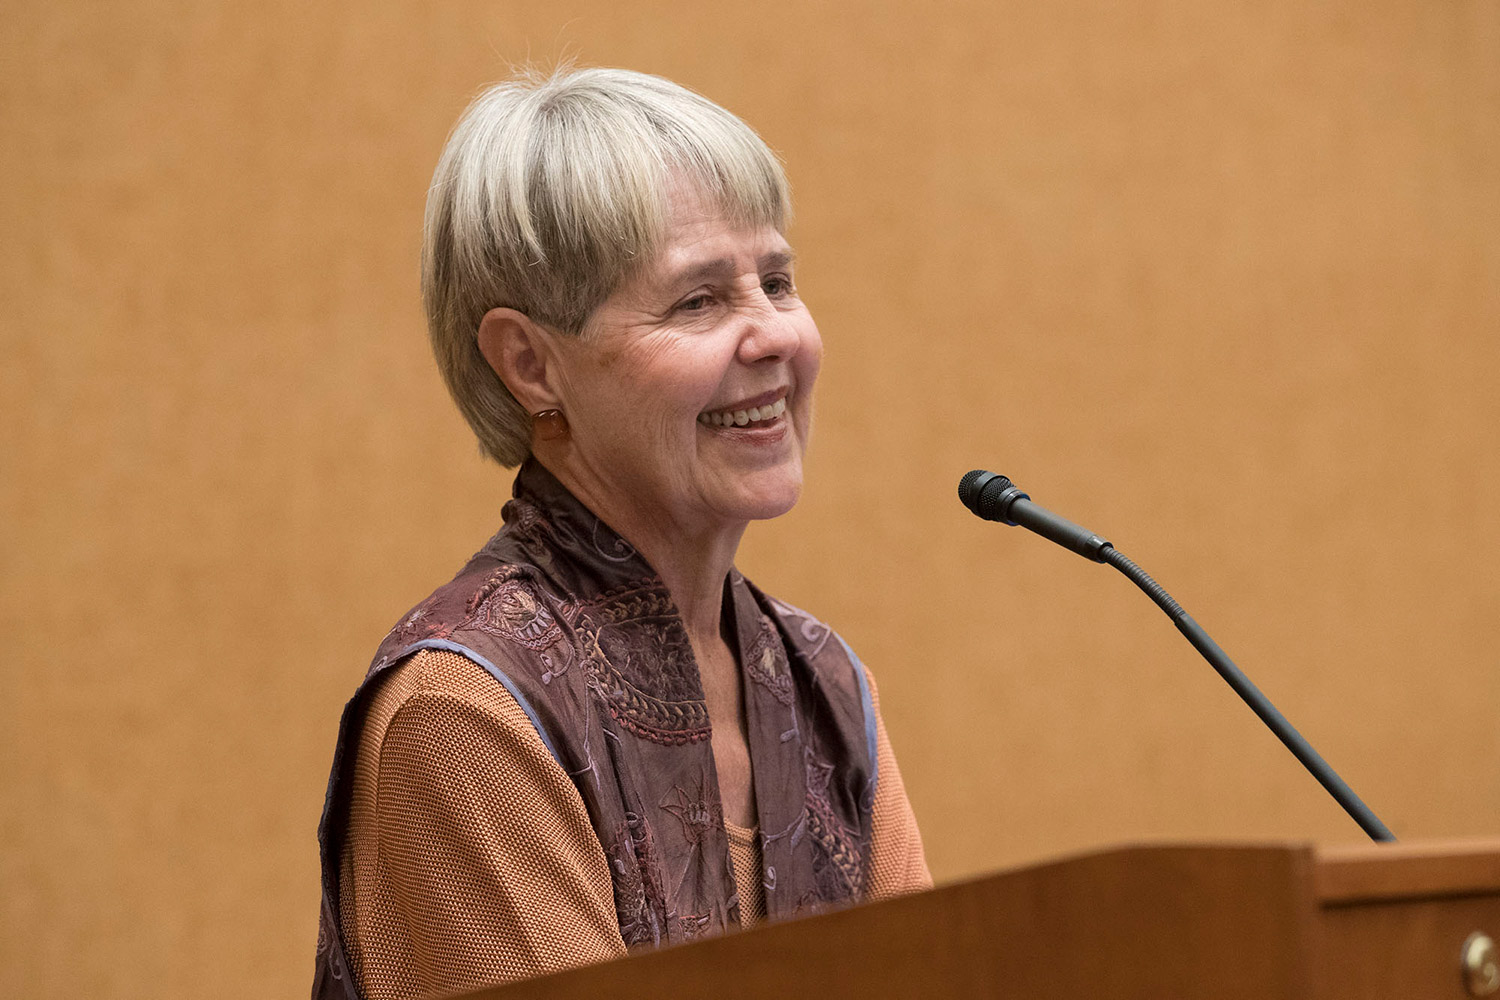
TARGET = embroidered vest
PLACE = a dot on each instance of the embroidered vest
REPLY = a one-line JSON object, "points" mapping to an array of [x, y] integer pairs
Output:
{"points": [[582, 632]]}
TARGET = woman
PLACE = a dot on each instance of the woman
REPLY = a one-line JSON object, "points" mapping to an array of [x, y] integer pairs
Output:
{"points": [[599, 735]]}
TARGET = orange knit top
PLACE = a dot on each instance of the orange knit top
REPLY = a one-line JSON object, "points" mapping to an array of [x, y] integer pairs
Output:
{"points": [[470, 859]]}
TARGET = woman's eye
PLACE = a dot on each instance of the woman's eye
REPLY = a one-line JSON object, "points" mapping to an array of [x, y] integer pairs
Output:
{"points": [[695, 303]]}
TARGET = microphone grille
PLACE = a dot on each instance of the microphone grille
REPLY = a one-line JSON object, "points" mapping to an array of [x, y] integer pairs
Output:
{"points": [[990, 498], [970, 485]]}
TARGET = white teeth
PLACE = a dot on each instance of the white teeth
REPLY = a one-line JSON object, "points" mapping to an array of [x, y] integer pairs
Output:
{"points": [[739, 418]]}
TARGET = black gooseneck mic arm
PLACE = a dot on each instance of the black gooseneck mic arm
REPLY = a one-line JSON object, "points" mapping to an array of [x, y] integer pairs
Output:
{"points": [[996, 498]]}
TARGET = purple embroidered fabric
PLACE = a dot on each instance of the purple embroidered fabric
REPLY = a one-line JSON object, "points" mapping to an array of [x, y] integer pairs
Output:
{"points": [[580, 629]]}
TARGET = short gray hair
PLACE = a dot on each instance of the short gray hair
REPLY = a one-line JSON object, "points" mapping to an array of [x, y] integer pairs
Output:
{"points": [[550, 190]]}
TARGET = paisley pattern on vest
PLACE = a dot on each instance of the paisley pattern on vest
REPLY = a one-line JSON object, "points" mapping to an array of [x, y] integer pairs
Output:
{"points": [[575, 623]]}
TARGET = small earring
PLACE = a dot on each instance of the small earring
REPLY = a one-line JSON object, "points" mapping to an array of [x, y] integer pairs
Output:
{"points": [[549, 425]]}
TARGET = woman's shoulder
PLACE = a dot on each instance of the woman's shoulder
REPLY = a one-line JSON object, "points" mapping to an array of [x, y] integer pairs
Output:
{"points": [[440, 685]]}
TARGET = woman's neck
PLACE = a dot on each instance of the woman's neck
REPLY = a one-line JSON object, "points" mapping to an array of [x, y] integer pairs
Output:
{"points": [[691, 559]]}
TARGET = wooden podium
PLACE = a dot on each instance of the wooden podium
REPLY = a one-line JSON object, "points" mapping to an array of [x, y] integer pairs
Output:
{"points": [[1168, 922]]}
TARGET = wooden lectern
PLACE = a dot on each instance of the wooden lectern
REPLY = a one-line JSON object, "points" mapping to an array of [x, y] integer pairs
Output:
{"points": [[1164, 922]]}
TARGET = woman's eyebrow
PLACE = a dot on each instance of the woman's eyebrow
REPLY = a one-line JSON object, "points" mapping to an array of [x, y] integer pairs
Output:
{"points": [[778, 259], [695, 272], [722, 267]]}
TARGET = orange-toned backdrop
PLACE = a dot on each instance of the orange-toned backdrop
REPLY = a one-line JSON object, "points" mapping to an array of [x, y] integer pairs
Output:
{"points": [[1220, 281]]}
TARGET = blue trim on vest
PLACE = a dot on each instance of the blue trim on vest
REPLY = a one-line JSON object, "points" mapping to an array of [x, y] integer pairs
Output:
{"points": [[498, 674], [867, 703]]}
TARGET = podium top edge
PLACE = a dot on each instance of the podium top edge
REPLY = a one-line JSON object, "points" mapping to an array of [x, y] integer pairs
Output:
{"points": [[1355, 873]]}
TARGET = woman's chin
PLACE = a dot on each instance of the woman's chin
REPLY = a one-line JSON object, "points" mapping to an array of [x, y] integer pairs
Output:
{"points": [[760, 497]]}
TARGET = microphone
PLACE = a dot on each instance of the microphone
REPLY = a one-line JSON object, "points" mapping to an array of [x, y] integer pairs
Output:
{"points": [[996, 498]]}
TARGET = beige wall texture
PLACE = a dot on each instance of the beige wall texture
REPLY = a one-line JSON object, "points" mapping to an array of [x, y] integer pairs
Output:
{"points": [[1221, 281]]}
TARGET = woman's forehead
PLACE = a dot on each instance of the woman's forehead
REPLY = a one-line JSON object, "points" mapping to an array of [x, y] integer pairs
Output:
{"points": [[693, 212], [722, 256], [705, 241]]}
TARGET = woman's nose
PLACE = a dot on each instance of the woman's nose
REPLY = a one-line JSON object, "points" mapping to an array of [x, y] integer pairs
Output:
{"points": [[769, 334]]}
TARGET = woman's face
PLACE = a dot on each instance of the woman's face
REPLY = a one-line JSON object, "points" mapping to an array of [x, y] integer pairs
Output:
{"points": [[689, 394]]}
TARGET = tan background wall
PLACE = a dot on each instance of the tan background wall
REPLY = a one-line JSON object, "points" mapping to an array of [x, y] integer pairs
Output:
{"points": [[1221, 281]]}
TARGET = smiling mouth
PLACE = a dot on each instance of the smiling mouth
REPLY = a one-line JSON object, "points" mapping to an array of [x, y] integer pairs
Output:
{"points": [[755, 416]]}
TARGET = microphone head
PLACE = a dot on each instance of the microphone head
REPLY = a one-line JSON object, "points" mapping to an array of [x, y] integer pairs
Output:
{"points": [[970, 486], [989, 495]]}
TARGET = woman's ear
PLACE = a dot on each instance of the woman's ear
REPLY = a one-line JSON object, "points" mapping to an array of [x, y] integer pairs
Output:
{"points": [[520, 351]]}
